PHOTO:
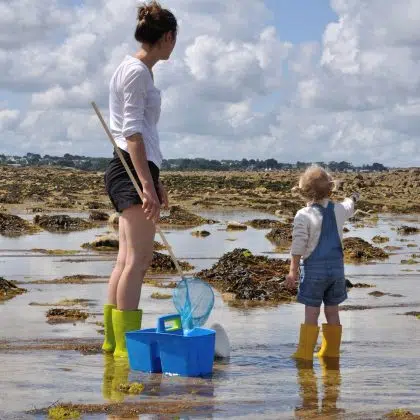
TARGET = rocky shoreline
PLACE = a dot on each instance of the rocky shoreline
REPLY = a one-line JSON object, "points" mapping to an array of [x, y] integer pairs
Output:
{"points": [[52, 189]]}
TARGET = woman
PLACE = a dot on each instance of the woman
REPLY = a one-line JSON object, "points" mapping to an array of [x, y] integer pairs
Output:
{"points": [[134, 105]]}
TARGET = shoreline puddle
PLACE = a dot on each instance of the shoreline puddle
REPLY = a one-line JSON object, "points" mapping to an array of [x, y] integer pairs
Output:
{"points": [[63, 363]]}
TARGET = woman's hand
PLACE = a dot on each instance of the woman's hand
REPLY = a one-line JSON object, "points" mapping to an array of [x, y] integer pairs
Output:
{"points": [[151, 204], [291, 280], [163, 195]]}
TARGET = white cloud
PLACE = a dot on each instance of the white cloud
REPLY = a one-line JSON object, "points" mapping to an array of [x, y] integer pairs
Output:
{"points": [[8, 118], [232, 88]]}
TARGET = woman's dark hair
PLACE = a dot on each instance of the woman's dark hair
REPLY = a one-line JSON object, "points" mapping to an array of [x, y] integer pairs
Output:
{"points": [[153, 21]]}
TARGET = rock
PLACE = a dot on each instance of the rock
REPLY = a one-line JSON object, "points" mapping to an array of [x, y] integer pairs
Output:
{"points": [[236, 226], [62, 222], [98, 216], [11, 225]]}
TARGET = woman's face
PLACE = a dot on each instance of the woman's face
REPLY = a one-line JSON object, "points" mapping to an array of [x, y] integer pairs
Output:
{"points": [[167, 44]]}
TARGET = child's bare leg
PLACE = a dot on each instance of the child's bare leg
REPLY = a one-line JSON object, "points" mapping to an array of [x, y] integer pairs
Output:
{"points": [[311, 315], [332, 315]]}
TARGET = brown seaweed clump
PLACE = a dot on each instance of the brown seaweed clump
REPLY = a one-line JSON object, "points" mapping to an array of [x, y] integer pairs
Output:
{"points": [[281, 235], [9, 290], [62, 223], [98, 216], [250, 277], [351, 285], [12, 225], [163, 263], [408, 230], [401, 414], [111, 243], [264, 223], [201, 233], [358, 250], [380, 239], [181, 217], [131, 410], [59, 315], [73, 279]]}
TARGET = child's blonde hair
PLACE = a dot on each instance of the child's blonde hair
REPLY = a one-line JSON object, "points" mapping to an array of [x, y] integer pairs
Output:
{"points": [[315, 184]]}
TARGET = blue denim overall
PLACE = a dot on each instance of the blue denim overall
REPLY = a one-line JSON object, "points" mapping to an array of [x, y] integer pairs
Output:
{"points": [[322, 274]]}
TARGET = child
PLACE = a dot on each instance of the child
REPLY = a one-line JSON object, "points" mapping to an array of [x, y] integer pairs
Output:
{"points": [[317, 239]]}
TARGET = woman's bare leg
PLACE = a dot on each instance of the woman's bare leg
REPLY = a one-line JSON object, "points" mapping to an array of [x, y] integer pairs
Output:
{"points": [[139, 235], [119, 265]]}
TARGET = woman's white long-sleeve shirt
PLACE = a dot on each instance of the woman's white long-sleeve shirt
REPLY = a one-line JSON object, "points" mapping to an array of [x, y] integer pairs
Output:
{"points": [[134, 107], [307, 226]]}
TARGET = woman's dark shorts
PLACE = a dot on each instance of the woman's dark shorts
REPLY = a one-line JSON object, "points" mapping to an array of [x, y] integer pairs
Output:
{"points": [[119, 186]]}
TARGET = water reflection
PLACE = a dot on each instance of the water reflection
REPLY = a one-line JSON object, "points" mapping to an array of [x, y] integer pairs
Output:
{"points": [[311, 406], [331, 380], [116, 372]]}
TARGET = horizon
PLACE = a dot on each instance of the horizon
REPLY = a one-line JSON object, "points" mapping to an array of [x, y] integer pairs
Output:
{"points": [[296, 163]]}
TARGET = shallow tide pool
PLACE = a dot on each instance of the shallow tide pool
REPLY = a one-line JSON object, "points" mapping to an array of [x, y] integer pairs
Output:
{"points": [[378, 369]]}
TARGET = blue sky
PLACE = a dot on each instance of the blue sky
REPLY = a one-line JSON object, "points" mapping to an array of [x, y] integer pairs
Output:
{"points": [[301, 20], [233, 88]]}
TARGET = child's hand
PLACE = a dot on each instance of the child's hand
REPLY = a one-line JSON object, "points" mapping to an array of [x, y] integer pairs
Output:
{"points": [[291, 280]]}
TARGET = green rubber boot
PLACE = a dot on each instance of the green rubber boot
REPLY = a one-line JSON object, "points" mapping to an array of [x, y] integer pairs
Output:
{"points": [[109, 341], [124, 321]]}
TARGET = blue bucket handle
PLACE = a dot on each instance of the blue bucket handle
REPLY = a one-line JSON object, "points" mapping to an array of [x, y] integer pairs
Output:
{"points": [[161, 327]]}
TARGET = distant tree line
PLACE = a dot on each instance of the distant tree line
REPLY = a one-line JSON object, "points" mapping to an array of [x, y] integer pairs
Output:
{"points": [[183, 164]]}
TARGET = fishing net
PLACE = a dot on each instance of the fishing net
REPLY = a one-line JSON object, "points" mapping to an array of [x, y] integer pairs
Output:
{"points": [[194, 301]]}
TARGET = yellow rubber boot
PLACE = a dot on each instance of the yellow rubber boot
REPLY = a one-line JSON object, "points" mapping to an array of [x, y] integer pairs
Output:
{"points": [[124, 321], [331, 340], [307, 340], [109, 341]]}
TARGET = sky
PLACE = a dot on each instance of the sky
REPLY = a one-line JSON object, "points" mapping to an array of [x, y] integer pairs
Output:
{"points": [[308, 80]]}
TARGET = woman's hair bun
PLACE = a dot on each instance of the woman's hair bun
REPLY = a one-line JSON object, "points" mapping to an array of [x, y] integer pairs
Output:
{"points": [[153, 21]]}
